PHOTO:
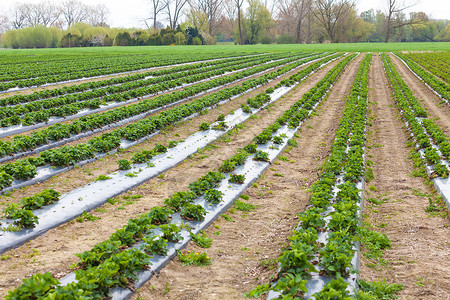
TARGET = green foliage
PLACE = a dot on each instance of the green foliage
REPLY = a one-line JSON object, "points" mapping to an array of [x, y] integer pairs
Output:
{"points": [[380, 290], [204, 126], [171, 232], [235, 178], [201, 239], [102, 177], [193, 212], [194, 258], [335, 289], [155, 246], [35, 287], [213, 196], [242, 206], [124, 164], [258, 291]]}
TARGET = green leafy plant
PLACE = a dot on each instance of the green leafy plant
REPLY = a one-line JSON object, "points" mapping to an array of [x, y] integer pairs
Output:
{"points": [[194, 258], [193, 212], [204, 126], [155, 246], [213, 196], [236, 178], [201, 239], [171, 232], [124, 164]]}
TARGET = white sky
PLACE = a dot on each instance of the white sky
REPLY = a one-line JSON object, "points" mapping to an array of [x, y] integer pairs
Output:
{"points": [[130, 13]]}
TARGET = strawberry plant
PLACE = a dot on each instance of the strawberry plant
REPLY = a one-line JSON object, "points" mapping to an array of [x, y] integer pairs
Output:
{"points": [[236, 178], [171, 233], [124, 164], [261, 156], [213, 196], [194, 212], [155, 246]]}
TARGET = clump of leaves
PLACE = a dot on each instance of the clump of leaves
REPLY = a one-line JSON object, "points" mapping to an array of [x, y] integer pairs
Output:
{"points": [[193, 212], [380, 290], [124, 164], [155, 246], [235, 178], [204, 126], [261, 156], [242, 206], [213, 196], [194, 258], [102, 177], [171, 232], [201, 239]]}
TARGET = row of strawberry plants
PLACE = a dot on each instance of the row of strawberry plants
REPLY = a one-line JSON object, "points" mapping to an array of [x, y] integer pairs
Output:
{"points": [[252, 106], [21, 143], [76, 88], [26, 169], [42, 110], [69, 70], [328, 227], [428, 136], [440, 87], [22, 213], [94, 278], [435, 62]]}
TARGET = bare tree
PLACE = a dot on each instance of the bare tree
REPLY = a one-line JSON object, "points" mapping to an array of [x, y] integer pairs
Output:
{"points": [[98, 15], [4, 26], [294, 12], [393, 12], [18, 17], [74, 12], [157, 7], [212, 9], [239, 4], [173, 10], [329, 13]]}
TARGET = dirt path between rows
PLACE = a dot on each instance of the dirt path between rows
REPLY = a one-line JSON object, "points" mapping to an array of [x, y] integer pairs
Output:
{"points": [[55, 250], [419, 255], [245, 252], [429, 101]]}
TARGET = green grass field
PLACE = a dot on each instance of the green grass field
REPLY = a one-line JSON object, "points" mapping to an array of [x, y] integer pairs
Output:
{"points": [[162, 50]]}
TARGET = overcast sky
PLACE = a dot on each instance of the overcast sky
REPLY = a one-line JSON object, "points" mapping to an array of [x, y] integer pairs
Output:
{"points": [[130, 13]]}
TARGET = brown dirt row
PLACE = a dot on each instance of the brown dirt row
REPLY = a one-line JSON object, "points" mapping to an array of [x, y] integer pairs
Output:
{"points": [[434, 106], [420, 242], [80, 176], [245, 252], [54, 250]]}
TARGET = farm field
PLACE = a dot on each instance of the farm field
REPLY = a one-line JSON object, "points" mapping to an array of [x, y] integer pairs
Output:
{"points": [[225, 172]]}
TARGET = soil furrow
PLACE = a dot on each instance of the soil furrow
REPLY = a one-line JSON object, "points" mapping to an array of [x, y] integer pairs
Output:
{"points": [[245, 252], [419, 255], [434, 106], [57, 247]]}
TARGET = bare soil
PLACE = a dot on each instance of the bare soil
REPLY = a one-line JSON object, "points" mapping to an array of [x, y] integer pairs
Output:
{"points": [[435, 107], [55, 250], [420, 242], [245, 252]]}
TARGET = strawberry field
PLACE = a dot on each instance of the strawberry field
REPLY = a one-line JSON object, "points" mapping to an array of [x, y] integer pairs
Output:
{"points": [[241, 173]]}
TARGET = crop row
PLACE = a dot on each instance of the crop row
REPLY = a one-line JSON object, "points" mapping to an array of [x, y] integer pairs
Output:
{"points": [[72, 69], [42, 110], [440, 87], [58, 132], [428, 137], [76, 88], [437, 63], [323, 245], [25, 169], [148, 164], [107, 265]]}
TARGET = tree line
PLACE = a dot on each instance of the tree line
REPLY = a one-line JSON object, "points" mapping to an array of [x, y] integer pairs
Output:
{"points": [[71, 23]]}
